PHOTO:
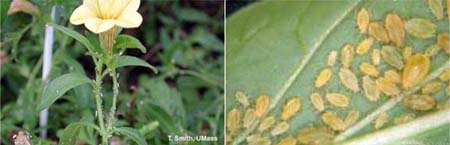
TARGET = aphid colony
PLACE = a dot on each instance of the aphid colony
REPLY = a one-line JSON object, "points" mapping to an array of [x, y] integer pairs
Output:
{"points": [[407, 69]]}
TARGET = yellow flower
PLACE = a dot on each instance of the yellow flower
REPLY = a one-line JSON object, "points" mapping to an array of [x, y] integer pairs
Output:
{"points": [[101, 15]]}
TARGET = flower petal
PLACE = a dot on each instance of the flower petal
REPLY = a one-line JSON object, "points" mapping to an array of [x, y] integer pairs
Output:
{"points": [[97, 25], [132, 5], [123, 5], [81, 14], [93, 6], [106, 8], [129, 19]]}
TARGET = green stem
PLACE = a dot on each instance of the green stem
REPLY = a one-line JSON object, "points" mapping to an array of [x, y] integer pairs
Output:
{"points": [[113, 75], [98, 99]]}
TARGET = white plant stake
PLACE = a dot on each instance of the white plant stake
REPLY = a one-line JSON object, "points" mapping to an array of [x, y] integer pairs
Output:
{"points": [[48, 45]]}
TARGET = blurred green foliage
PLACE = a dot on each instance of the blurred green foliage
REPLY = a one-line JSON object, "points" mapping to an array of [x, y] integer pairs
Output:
{"points": [[183, 38]]}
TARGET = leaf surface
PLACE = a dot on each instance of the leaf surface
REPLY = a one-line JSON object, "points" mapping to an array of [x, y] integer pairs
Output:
{"points": [[56, 88], [278, 48]]}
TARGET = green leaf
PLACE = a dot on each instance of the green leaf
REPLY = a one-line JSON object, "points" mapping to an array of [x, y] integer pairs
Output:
{"points": [[59, 86], [278, 49], [126, 41], [133, 61], [131, 133], [207, 39], [191, 15], [72, 131], [75, 35], [157, 113], [70, 134]]}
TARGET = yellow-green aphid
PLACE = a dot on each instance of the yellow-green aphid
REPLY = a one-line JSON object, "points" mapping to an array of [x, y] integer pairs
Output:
{"points": [[262, 104], [351, 118], [363, 20], [291, 107], [443, 105], [420, 28], [392, 56], [376, 56], [431, 87], [377, 31], [371, 91], [448, 10], [333, 121], [392, 76], [416, 68], [317, 101], [404, 118], [381, 119], [337, 99], [252, 138], [233, 120], [266, 123], [315, 136], [364, 46], [436, 8], [242, 98], [419, 102], [261, 141], [443, 41], [347, 54], [432, 50], [280, 128], [407, 52], [249, 117], [332, 58], [348, 79], [288, 141], [368, 69], [445, 76], [395, 28], [387, 87], [323, 77]]}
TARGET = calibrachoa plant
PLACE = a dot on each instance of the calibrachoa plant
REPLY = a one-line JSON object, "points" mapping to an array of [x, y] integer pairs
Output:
{"points": [[105, 18]]}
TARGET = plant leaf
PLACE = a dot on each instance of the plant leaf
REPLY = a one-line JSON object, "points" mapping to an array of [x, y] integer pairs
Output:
{"points": [[126, 41], [70, 134], [75, 35], [191, 15], [278, 48], [59, 86], [131, 133], [133, 61]]}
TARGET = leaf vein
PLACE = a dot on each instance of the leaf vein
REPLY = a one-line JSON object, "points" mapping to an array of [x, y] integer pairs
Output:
{"points": [[308, 56]]}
